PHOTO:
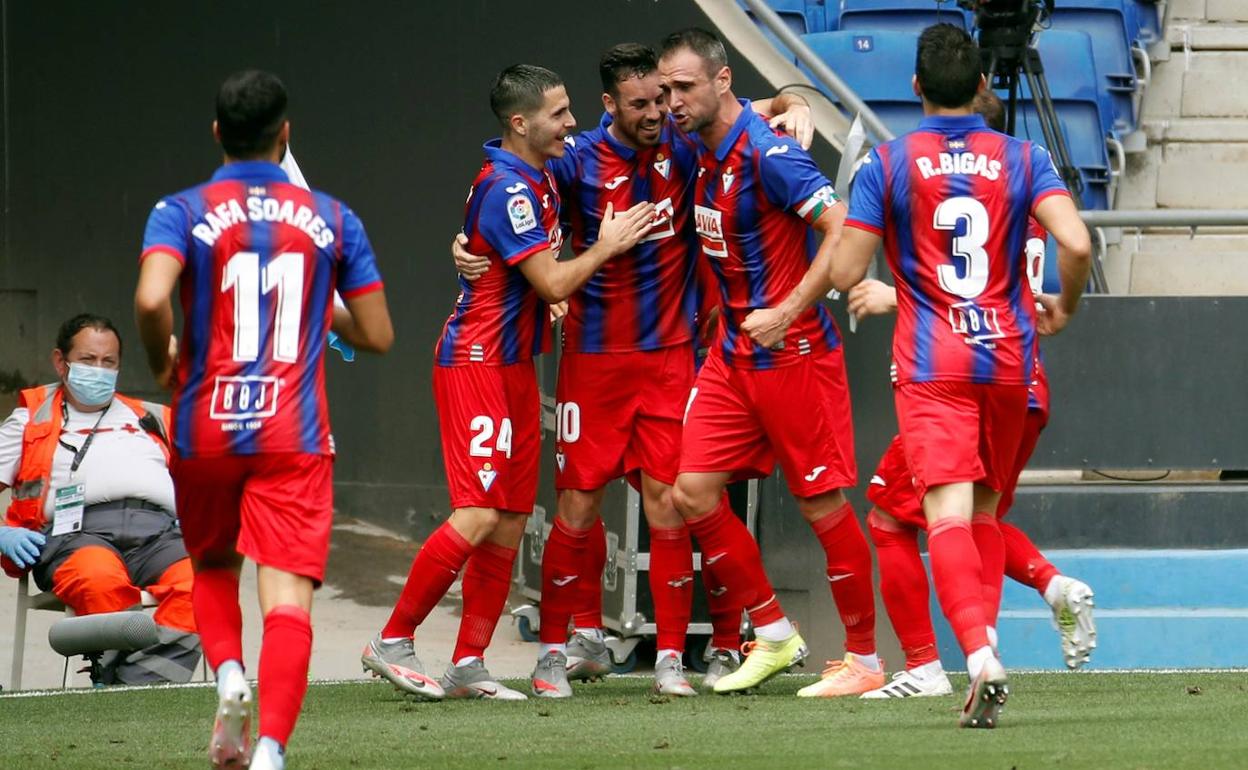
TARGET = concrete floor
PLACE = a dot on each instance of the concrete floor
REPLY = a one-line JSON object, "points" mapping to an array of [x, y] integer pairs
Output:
{"points": [[367, 567]]}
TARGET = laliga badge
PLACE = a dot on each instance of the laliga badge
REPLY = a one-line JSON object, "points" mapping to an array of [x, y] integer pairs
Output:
{"points": [[67, 509], [486, 476]]}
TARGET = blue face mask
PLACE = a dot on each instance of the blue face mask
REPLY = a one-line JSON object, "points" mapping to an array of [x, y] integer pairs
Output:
{"points": [[91, 385]]}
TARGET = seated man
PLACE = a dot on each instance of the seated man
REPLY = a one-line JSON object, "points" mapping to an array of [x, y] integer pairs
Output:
{"points": [[92, 511]]}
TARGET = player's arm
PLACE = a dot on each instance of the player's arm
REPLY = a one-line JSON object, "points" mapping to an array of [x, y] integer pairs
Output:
{"points": [[554, 281], [1056, 212], [365, 322], [767, 326], [364, 318], [792, 115], [872, 297], [864, 227], [153, 312]]}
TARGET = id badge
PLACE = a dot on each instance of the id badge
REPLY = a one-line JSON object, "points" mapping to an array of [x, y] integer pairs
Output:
{"points": [[67, 508]]}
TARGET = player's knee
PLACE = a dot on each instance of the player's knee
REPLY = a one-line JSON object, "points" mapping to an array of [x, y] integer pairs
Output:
{"points": [[691, 502], [579, 509], [827, 504], [885, 530]]}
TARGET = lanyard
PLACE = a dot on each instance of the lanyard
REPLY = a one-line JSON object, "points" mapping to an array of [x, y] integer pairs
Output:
{"points": [[81, 452]]}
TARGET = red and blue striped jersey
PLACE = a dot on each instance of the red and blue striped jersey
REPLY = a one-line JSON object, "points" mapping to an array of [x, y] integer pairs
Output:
{"points": [[261, 260], [755, 198], [951, 201], [511, 214], [643, 299]]}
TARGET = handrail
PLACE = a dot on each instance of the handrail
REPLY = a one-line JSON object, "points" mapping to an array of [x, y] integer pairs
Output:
{"points": [[820, 70], [1165, 218]]}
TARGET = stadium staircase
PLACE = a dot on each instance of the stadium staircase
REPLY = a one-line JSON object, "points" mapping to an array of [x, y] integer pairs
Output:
{"points": [[1148, 97], [1195, 118]]}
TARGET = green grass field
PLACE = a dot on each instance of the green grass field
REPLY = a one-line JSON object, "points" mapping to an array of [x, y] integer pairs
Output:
{"points": [[1075, 720]]}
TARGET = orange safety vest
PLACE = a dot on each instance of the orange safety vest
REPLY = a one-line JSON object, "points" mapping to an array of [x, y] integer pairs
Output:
{"points": [[39, 441]]}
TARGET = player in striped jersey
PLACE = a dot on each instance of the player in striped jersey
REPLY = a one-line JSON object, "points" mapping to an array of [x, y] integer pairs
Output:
{"points": [[950, 202], [774, 387], [636, 315], [258, 259], [485, 385]]}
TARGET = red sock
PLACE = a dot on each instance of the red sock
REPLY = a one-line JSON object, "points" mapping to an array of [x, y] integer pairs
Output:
{"points": [[1023, 561], [588, 613], [433, 571], [725, 541], [725, 613], [487, 582], [284, 654], [562, 564], [849, 576], [992, 559], [959, 587], [214, 600], [671, 585], [903, 584]]}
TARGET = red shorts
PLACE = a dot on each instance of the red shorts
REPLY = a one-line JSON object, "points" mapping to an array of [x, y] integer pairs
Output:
{"points": [[743, 420], [892, 487], [274, 508], [491, 424], [960, 431], [1032, 427], [619, 413]]}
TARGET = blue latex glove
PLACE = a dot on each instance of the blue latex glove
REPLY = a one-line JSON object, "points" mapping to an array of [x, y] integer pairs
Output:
{"points": [[21, 545], [345, 350]]}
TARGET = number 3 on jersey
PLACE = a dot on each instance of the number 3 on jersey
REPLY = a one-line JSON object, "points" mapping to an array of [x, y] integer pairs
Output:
{"points": [[969, 246], [482, 427]]}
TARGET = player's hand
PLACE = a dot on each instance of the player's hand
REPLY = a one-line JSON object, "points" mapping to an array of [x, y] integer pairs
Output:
{"points": [[766, 326], [1050, 318], [798, 123], [620, 232], [558, 310], [872, 297], [469, 265]]}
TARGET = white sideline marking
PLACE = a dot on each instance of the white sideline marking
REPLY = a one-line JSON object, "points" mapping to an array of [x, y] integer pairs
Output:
{"points": [[644, 675]]}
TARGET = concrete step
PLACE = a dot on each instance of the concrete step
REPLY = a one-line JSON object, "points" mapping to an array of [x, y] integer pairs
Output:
{"points": [[1215, 130], [1171, 242], [1202, 185], [1226, 10], [1191, 274], [1214, 93], [1204, 152], [1207, 37], [1187, 11]]}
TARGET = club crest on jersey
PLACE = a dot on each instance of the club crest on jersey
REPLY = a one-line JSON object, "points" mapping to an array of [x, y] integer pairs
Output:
{"points": [[662, 165], [561, 460], [486, 476], [520, 212], [728, 179]]}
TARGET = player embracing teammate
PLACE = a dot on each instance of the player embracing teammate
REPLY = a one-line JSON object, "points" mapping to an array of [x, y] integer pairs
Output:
{"points": [[950, 202]]}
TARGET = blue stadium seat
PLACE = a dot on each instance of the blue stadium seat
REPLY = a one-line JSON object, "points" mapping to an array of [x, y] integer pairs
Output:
{"points": [[900, 15], [1106, 23], [1147, 21], [878, 66], [800, 16]]}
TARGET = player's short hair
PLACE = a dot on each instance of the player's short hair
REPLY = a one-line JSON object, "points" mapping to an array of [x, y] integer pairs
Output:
{"points": [[705, 44], [251, 108], [624, 61], [521, 89], [990, 106], [65, 335], [947, 65]]}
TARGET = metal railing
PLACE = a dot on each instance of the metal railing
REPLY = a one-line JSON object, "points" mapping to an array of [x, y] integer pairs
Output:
{"points": [[821, 71]]}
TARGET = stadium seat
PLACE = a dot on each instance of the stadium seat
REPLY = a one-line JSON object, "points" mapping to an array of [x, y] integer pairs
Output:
{"points": [[879, 67], [799, 15], [1106, 23], [900, 15], [1147, 21]]}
